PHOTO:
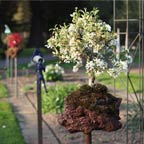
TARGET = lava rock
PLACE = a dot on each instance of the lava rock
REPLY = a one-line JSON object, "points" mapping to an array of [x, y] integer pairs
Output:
{"points": [[91, 108]]}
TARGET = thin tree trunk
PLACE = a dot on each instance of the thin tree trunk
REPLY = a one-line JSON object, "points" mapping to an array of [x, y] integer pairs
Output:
{"points": [[88, 138], [91, 80]]}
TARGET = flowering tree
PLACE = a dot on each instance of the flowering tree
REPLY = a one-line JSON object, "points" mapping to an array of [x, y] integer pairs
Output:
{"points": [[88, 41]]}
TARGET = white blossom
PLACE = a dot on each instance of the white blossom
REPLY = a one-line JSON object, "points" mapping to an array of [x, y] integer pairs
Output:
{"points": [[124, 65], [114, 42], [47, 46], [59, 69], [113, 72], [100, 63], [3, 126], [90, 66], [129, 59], [90, 42], [75, 68], [108, 27], [71, 28], [72, 41]]}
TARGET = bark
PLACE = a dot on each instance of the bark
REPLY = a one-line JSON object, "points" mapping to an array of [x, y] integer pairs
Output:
{"points": [[91, 81]]}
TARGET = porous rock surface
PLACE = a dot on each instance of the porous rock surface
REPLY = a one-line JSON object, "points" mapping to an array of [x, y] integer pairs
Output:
{"points": [[91, 108]]}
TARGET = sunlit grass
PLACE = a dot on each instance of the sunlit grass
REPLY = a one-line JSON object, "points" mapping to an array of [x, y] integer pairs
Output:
{"points": [[121, 81], [9, 130]]}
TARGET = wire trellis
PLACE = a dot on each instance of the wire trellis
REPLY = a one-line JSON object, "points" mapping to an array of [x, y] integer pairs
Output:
{"points": [[133, 129]]}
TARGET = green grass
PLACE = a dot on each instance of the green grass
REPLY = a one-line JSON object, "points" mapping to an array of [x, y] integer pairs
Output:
{"points": [[53, 101], [3, 91], [28, 88], [9, 130], [121, 82]]}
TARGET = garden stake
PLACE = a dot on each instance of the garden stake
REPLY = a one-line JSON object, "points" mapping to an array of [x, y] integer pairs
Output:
{"points": [[11, 71], [15, 75], [7, 31], [7, 68], [38, 60], [88, 138]]}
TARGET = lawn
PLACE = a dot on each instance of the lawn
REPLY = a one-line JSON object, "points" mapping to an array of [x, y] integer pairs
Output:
{"points": [[121, 82], [3, 91], [9, 129]]}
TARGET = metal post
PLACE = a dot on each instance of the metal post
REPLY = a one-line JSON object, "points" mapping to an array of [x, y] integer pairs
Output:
{"points": [[88, 138], [15, 74], [7, 69], [11, 71], [37, 58], [126, 47], [39, 110]]}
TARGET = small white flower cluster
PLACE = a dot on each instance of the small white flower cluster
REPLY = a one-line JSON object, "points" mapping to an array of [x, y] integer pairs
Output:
{"points": [[77, 66], [118, 67], [3, 126], [54, 69], [53, 72], [59, 69], [96, 66], [88, 41]]}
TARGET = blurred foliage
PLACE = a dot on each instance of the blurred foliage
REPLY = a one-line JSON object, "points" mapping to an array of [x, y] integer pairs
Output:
{"points": [[17, 14], [23, 13], [53, 72], [53, 101], [28, 88]]}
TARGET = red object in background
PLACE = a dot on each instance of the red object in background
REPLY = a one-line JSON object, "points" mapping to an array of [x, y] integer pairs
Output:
{"points": [[14, 40]]}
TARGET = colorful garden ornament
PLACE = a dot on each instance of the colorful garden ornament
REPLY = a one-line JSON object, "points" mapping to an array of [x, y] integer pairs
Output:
{"points": [[13, 42]]}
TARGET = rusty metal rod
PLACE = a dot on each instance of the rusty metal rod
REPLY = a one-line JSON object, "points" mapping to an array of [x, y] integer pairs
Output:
{"points": [[88, 138]]}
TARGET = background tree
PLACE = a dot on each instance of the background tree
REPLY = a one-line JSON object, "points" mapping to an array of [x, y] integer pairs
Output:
{"points": [[22, 16], [39, 16], [46, 14]]}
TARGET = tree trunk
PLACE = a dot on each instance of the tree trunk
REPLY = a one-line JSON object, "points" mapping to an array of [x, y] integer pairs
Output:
{"points": [[91, 80], [36, 34], [88, 138]]}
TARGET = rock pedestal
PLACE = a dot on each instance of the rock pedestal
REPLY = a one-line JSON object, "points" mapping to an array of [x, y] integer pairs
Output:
{"points": [[91, 108]]}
